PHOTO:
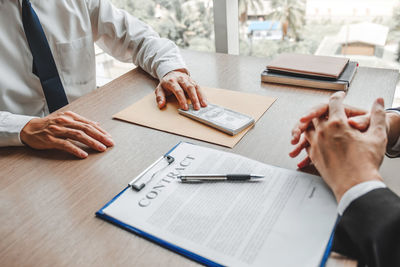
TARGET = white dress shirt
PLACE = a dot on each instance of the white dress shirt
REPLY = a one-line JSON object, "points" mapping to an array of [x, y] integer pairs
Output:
{"points": [[71, 28]]}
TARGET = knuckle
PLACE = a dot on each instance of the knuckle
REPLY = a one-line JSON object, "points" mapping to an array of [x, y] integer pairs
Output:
{"points": [[335, 124], [321, 134], [86, 127], [180, 93], [61, 120], [380, 131], [170, 80], [48, 138], [380, 112], [76, 133], [335, 97], [53, 128]]}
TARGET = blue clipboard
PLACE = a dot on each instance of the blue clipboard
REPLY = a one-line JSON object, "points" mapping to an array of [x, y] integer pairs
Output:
{"points": [[193, 256]]}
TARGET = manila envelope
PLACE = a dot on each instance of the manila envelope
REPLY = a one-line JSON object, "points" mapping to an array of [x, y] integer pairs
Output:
{"points": [[145, 112]]}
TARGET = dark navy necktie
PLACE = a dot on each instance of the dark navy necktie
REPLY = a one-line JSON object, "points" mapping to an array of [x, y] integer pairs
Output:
{"points": [[43, 61]]}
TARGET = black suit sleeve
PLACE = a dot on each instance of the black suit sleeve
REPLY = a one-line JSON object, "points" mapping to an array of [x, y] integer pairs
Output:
{"points": [[369, 230], [392, 154]]}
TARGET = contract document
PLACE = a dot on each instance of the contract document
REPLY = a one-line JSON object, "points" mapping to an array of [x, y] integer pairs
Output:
{"points": [[285, 219]]}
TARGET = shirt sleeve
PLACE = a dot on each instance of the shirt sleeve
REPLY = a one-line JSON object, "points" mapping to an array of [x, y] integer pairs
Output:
{"points": [[10, 128], [130, 40], [356, 192], [394, 151]]}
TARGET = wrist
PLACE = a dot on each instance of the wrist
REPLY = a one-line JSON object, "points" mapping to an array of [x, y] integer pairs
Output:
{"points": [[341, 188], [180, 70], [26, 130]]}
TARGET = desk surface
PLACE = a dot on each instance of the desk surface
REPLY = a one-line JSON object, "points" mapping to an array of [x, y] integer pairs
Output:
{"points": [[48, 198]]}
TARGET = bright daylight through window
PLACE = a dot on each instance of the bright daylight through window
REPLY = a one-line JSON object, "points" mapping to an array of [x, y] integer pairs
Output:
{"points": [[367, 31]]}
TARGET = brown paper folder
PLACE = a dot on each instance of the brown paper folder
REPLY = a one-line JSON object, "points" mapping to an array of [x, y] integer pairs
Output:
{"points": [[145, 112]]}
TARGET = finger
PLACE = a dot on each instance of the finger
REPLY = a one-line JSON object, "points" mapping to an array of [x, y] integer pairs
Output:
{"points": [[296, 133], [322, 109], [315, 112], [360, 123], [79, 136], [304, 163], [80, 118], [297, 150], [378, 118], [160, 97], [353, 111], [315, 122], [336, 108], [298, 130], [309, 136], [175, 88], [91, 131], [200, 95], [191, 91], [67, 146]]}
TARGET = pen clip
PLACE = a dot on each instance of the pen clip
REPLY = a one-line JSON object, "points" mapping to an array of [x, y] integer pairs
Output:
{"points": [[140, 182]]}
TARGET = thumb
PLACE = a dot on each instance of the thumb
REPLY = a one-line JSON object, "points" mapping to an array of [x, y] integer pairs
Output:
{"points": [[160, 97], [378, 118], [360, 123]]}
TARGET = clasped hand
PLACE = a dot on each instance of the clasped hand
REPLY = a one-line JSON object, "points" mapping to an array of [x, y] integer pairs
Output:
{"points": [[345, 144]]}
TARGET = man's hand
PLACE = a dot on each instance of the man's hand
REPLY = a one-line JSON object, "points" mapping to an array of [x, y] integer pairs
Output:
{"points": [[320, 111], [392, 126], [56, 130], [180, 84], [344, 156]]}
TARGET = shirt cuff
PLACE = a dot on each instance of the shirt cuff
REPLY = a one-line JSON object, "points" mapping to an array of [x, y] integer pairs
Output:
{"points": [[10, 128], [356, 192], [394, 151], [169, 66]]}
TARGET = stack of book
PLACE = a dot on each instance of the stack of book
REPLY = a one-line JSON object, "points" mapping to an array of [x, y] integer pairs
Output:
{"points": [[322, 72]]}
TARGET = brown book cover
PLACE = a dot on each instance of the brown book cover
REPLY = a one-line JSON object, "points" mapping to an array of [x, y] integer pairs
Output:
{"points": [[342, 83], [322, 66]]}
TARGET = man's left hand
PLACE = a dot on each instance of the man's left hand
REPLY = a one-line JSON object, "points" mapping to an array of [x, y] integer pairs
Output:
{"points": [[179, 83]]}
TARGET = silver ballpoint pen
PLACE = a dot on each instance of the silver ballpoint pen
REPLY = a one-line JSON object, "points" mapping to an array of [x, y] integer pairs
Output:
{"points": [[218, 177]]}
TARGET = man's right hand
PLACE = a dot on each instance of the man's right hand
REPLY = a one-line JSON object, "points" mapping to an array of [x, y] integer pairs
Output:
{"points": [[343, 155], [57, 130]]}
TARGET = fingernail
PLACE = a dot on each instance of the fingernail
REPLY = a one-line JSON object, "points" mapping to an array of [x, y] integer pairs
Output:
{"points": [[185, 107], [110, 141], [197, 106], [102, 147], [84, 154], [381, 101]]}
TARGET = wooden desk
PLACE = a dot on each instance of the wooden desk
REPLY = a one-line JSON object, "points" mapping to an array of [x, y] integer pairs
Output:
{"points": [[48, 198]]}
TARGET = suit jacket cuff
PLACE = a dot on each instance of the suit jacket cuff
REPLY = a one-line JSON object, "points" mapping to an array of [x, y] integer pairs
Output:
{"points": [[356, 192]]}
